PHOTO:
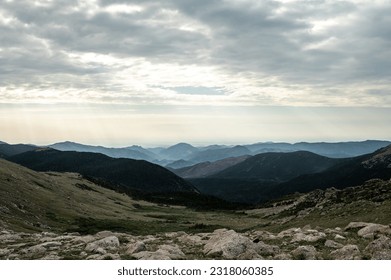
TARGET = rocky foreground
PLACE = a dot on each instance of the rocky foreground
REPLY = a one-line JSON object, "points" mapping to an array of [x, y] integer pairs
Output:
{"points": [[356, 241]]}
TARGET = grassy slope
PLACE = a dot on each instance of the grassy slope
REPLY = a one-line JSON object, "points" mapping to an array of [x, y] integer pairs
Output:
{"points": [[37, 201], [34, 201]]}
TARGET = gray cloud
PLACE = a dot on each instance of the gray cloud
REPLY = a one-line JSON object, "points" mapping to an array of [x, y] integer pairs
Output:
{"points": [[317, 46]]}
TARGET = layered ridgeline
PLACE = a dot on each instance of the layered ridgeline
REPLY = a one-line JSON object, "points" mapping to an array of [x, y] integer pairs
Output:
{"points": [[125, 174], [184, 154], [271, 175], [7, 150]]}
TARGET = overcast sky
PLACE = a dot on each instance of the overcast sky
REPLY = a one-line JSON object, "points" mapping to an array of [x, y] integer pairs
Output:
{"points": [[201, 71]]}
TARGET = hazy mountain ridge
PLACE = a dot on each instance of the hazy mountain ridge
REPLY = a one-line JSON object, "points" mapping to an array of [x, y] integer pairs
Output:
{"points": [[133, 174], [184, 151], [278, 166], [128, 152], [352, 172], [345, 173], [328, 149], [208, 168], [7, 150]]}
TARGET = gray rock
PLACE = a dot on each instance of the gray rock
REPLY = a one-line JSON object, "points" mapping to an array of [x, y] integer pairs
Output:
{"points": [[191, 239], [173, 251], [34, 252], [136, 248], [307, 252], [289, 232], [356, 225], [227, 244], [347, 252], [332, 244], [283, 256], [100, 246], [309, 237], [52, 256], [263, 235], [266, 249], [165, 252], [339, 237], [109, 257], [371, 229], [250, 255], [379, 249], [84, 239], [51, 244], [4, 252], [146, 255]]}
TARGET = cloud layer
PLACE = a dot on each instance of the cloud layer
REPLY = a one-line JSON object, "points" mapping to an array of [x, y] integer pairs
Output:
{"points": [[306, 53]]}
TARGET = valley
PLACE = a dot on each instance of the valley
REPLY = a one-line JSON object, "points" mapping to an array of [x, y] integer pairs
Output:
{"points": [[77, 205]]}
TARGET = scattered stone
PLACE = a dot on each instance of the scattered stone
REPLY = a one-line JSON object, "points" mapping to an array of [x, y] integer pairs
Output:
{"points": [[379, 249], [347, 252], [339, 237], [4, 252], [311, 237], [220, 244], [136, 248], [307, 252], [288, 233], [356, 225], [34, 252], [227, 244], [283, 256], [332, 244], [172, 251], [146, 255], [100, 246], [371, 229]]}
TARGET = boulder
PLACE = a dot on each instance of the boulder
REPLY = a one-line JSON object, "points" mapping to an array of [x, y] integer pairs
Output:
{"points": [[356, 225], [227, 244], [173, 251], [307, 252], [308, 236], [347, 252], [165, 252], [370, 230], [332, 244], [101, 245], [4, 252], [283, 256], [34, 252], [339, 237], [379, 249], [146, 255], [289, 232], [136, 248]]}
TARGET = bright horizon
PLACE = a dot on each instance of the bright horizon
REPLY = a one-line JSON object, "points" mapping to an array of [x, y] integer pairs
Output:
{"points": [[154, 73]]}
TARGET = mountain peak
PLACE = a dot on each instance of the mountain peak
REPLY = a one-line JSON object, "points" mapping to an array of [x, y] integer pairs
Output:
{"points": [[181, 145]]}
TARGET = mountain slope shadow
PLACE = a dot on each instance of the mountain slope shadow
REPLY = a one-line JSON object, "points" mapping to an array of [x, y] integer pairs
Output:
{"points": [[127, 173]]}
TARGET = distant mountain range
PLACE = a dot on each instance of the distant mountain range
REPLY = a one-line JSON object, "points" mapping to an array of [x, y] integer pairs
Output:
{"points": [[184, 154], [133, 152], [232, 173]]}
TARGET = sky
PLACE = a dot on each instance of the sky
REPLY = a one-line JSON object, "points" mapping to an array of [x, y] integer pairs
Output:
{"points": [[149, 72]]}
